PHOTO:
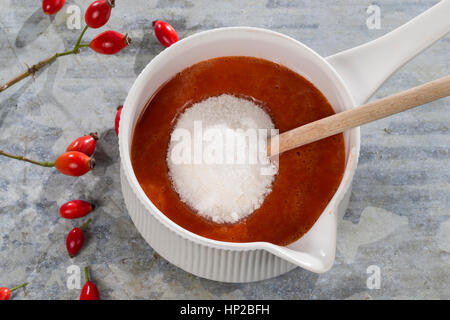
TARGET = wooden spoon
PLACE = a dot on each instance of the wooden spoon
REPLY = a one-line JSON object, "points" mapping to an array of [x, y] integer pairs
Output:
{"points": [[366, 113]]}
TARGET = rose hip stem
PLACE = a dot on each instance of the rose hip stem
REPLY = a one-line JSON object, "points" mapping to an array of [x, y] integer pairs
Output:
{"points": [[85, 225], [47, 164], [18, 287], [36, 67]]}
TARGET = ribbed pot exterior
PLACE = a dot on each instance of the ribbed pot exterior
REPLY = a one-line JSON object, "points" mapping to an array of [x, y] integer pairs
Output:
{"points": [[208, 262]]}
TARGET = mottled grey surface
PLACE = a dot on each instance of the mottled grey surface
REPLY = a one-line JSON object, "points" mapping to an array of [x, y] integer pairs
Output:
{"points": [[398, 217]]}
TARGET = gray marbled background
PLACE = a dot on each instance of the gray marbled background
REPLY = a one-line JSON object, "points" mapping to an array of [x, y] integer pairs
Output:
{"points": [[398, 219]]}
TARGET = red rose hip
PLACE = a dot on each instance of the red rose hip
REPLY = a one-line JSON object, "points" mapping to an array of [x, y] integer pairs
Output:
{"points": [[75, 239], [5, 294], [109, 42], [74, 163], [52, 6], [165, 33], [84, 144], [98, 13], [89, 290], [75, 209], [117, 121]]}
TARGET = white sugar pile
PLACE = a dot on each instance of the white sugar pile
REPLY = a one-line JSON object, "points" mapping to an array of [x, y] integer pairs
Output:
{"points": [[205, 158]]}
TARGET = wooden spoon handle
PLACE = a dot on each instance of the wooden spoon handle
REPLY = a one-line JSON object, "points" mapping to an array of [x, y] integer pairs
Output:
{"points": [[368, 112]]}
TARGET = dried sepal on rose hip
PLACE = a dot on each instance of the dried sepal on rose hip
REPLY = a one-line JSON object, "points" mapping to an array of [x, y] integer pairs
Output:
{"points": [[52, 6], [75, 209], [75, 239], [165, 33], [74, 163], [89, 290], [98, 13], [85, 144], [117, 120], [5, 293], [110, 42]]}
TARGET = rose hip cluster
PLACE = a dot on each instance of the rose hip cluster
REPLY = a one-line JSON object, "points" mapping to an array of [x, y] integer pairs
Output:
{"points": [[108, 42], [96, 16], [78, 160], [5, 293], [75, 209]]}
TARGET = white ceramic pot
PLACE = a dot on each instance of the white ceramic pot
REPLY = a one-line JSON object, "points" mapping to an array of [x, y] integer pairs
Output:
{"points": [[346, 79]]}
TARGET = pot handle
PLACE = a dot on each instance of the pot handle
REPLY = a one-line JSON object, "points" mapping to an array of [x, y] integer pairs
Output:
{"points": [[366, 67]]}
